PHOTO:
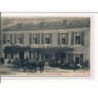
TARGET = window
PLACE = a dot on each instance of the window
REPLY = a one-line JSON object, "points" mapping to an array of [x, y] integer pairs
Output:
{"points": [[63, 41], [35, 38], [63, 38], [7, 38], [77, 40], [47, 40], [19, 38], [78, 58], [33, 55]]}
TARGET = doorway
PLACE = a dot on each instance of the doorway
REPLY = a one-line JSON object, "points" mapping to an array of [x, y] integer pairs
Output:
{"points": [[21, 55], [77, 59]]}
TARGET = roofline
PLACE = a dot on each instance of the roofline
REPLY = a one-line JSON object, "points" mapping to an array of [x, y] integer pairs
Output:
{"points": [[83, 28]]}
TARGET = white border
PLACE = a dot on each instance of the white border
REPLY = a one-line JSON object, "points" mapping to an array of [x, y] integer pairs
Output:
{"points": [[55, 14]]}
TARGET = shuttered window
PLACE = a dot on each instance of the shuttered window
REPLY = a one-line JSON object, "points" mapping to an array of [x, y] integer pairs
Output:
{"points": [[63, 38], [78, 58], [63, 41], [7, 38], [77, 38], [46, 38], [19, 38], [34, 38]]}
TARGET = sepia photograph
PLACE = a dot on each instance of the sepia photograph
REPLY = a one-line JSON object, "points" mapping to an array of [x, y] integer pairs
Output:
{"points": [[46, 46]]}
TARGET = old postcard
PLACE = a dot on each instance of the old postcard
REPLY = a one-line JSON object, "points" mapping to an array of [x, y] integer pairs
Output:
{"points": [[44, 45]]}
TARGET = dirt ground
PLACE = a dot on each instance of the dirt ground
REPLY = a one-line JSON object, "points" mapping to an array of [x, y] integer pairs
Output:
{"points": [[51, 72]]}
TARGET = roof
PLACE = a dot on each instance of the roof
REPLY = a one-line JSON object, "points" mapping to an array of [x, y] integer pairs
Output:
{"points": [[41, 25]]}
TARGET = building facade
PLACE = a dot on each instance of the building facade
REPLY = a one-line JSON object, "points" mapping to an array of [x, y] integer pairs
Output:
{"points": [[68, 44]]}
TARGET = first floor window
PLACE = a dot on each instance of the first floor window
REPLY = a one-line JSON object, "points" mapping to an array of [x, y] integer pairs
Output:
{"points": [[63, 38], [63, 41], [35, 40], [47, 40], [77, 40], [7, 38], [20, 38]]}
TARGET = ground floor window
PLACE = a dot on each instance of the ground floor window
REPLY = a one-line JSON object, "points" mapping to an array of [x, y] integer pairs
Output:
{"points": [[79, 58], [8, 56], [33, 55], [47, 40]]}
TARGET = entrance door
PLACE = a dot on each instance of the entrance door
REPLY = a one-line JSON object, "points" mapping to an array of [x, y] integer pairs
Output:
{"points": [[77, 59], [21, 55]]}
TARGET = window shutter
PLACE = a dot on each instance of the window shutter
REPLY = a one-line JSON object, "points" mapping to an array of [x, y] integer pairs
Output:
{"points": [[10, 38], [22, 38], [30, 38], [15, 38], [33, 38], [51, 38], [58, 38], [42, 38], [4, 39], [66, 38], [38, 38], [72, 38], [82, 38]]}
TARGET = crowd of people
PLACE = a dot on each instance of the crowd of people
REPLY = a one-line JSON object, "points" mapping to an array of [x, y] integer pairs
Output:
{"points": [[28, 65], [33, 65]]}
